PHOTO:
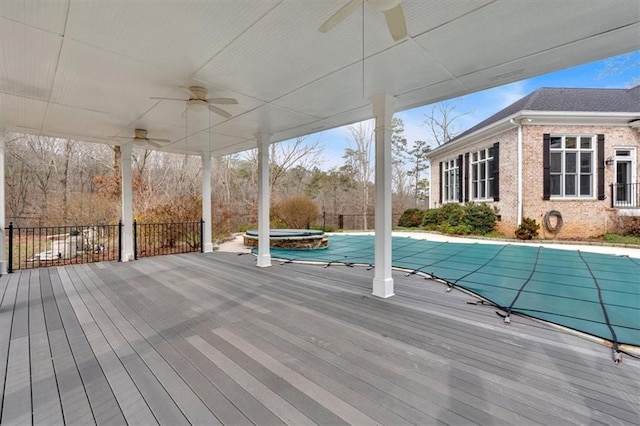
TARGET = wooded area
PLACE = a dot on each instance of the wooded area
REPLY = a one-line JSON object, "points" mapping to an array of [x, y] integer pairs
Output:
{"points": [[51, 181]]}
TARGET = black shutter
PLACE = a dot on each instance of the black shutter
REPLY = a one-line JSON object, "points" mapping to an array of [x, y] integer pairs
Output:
{"points": [[460, 178], [441, 184], [546, 167], [496, 171], [601, 195], [466, 177]]}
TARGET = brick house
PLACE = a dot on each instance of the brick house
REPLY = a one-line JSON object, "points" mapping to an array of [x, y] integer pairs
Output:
{"points": [[572, 153]]}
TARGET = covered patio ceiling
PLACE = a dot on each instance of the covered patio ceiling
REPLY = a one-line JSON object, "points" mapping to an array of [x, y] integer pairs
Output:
{"points": [[87, 69]]}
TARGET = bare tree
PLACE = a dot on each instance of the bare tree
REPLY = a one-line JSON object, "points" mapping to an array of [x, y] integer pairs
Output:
{"points": [[284, 156], [40, 161], [441, 121], [68, 152], [358, 162]]}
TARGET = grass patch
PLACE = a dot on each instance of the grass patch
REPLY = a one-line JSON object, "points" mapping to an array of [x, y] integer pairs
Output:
{"points": [[622, 239]]}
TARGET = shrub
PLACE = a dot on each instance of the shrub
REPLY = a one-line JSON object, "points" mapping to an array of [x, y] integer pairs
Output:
{"points": [[296, 212], [461, 219], [629, 225], [411, 218], [177, 209], [528, 229], [481, 218]]}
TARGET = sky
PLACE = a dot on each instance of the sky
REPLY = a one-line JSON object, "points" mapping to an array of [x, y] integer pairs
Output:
{"points": [[616, 72]]}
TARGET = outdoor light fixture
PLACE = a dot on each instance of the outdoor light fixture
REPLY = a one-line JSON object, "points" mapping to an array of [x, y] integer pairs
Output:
{"points": [[609, 161]]}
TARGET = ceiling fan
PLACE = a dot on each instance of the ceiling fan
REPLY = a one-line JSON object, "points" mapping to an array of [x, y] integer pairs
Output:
{"points": [[392, 10], [198, 96], [140, 138]]}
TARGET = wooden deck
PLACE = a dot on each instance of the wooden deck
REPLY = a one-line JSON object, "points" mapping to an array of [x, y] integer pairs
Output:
{"points": [[212, 339]]}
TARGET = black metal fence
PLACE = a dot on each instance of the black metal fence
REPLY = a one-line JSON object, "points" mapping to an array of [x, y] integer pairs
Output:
{"points": [[351, 222], [45, 246], [37, 247], [154, 239], [625, 195]]}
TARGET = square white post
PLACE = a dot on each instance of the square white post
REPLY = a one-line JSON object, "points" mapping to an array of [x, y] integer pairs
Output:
{"points": [[264, 254], [207, 243], [3, 259], [127, 202], [383, 112]]}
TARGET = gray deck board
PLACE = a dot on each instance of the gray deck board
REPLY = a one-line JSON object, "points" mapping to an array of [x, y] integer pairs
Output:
{"points": [[104, 407], [17, 395], [110, 348], [73, 397], [47, 407], [231, 403], [206, 339], [9, 293]]}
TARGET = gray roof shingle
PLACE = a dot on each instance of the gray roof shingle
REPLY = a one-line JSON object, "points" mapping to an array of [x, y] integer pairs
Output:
{"points": [[567, 99]]}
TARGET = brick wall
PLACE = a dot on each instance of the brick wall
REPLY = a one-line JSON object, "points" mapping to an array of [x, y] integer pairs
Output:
{"points": [[582, 218]]}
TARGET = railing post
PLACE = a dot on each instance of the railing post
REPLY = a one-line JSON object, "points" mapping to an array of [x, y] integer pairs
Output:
{"points": [[324, 220], [10, 265], [340, 221], [135, 240], [611, 197], [120, 240], [201, 235]]}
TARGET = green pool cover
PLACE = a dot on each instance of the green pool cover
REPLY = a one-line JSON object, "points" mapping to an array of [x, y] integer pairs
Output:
{"points": [[597, 294]]}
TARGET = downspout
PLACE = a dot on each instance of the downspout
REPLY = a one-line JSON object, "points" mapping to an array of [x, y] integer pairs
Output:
{"points": [[519, 169]]}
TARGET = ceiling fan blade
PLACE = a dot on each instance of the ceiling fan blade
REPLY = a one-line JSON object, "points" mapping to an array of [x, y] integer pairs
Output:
{"points": [[396, 22], [168, 99], [340, 16], [223, 101], [220, 111], [150, 142], [158, 140]]}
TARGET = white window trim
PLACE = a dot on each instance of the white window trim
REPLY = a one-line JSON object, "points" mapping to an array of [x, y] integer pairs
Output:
{"points": [[594, 171], [446, 169], [488, 197]]}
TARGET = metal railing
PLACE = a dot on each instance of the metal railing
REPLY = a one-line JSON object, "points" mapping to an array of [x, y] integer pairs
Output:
{"points": [[45, 246], [154, 239], [625, 195], [37, 247]]}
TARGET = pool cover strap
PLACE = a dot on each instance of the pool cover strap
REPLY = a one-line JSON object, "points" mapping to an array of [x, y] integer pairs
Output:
{"points": [[614, 338]]}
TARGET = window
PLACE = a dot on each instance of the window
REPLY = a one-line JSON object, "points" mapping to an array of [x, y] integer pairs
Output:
{"points": [[482, 174], [450, 179], [571, 166]]}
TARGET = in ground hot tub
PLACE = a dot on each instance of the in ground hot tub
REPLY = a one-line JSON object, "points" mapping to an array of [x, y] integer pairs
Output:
{"points": [[289, 238]]}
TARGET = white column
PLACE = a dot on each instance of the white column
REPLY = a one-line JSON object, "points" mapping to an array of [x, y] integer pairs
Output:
{"points": [[3, 258], [383, 112], [207, 243], [127, 202], [264, 192]]}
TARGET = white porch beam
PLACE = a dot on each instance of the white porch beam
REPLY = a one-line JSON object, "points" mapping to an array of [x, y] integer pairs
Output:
{"points": [[127, 202], [3, 259], [383, 112], [264, 192], [207, 242]]}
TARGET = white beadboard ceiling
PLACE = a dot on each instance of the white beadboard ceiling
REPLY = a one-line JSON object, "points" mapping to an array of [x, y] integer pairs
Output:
{"points": [[86, 69]]}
